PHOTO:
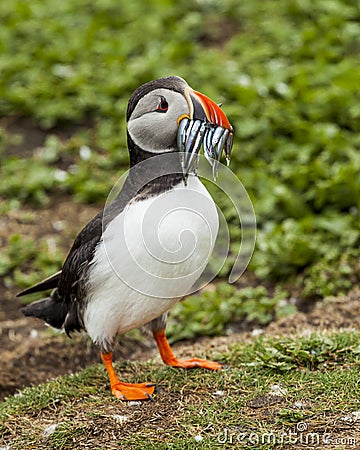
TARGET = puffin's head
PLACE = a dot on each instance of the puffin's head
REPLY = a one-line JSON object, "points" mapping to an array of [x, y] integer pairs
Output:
{"points": [[167, 115]]}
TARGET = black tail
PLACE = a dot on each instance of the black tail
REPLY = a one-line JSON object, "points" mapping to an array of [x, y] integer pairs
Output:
{"points": [[49, 309], [44, 285]]}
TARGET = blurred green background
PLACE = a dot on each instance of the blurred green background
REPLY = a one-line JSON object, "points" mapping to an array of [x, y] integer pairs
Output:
{"points": [[288, 75]]}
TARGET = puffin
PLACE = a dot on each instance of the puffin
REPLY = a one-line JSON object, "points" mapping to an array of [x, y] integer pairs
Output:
{"points": [[151, 242]]}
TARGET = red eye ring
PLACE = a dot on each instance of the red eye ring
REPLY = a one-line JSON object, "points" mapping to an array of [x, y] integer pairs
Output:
{"points": [[163, 105]]}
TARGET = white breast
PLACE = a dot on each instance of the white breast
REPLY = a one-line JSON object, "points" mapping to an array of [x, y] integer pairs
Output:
{"points": [[149, 257]]}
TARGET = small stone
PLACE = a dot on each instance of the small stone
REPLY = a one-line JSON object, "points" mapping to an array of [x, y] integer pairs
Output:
{"points": [[277, 389], [219, 393], [120, 418], [58, 225], [298, 405], [134, 403], [50, 429], [34, 334], [352, 417]]}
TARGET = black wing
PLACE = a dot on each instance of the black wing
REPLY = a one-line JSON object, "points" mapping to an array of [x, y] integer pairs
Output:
{"points": [[80, 255]]}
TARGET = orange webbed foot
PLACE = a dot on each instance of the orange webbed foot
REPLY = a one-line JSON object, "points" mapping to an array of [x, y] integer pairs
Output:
{"points": [[133, 392], [126, 391], [170, 359], [194, 363]]}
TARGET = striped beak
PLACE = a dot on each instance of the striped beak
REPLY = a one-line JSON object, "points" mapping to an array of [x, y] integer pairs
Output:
{"points": [[206, 126]]}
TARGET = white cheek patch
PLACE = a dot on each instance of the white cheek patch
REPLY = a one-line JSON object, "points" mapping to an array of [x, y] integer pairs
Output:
{"points": [[154, 131], [149, 134]]}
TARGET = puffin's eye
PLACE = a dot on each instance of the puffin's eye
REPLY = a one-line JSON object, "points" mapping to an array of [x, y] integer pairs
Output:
{"points": [[162, 106]]}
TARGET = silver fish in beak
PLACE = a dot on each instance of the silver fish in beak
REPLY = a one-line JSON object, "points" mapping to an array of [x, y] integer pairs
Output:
{"points": [[206, 126]]}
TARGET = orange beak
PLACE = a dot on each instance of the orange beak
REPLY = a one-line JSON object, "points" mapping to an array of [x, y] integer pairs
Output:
{"points": [[206, 126], [207, 110]]}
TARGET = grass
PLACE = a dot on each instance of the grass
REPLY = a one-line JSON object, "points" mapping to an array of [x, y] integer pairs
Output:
{"points": [[306, 386], [211, 312]]}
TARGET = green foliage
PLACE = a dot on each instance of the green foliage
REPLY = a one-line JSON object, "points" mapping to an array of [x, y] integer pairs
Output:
{"points": [[22, 252], [18, 251], [331, 276], [287, 73], [27, 180], [309, 352], [212, 311]]}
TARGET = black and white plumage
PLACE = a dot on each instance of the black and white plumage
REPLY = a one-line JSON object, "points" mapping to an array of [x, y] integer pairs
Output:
{"points": [[101, 287]]}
